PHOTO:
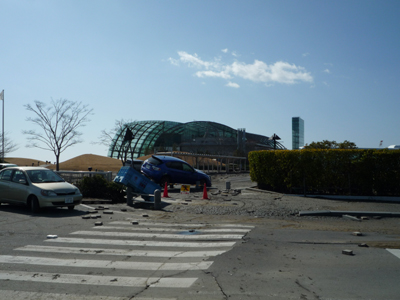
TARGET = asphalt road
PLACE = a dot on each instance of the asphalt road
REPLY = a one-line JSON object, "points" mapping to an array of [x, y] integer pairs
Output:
{"points": [[177, 255]]}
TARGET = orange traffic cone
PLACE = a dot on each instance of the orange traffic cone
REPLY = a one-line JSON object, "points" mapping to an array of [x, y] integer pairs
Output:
{"points": [[205, 196], [165, 194]]}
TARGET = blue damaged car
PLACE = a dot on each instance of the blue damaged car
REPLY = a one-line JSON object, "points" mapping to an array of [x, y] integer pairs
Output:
{"points": [[171, 170]]}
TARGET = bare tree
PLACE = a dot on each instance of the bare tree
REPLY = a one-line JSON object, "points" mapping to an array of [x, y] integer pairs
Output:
{"points": [[9, 146], [106, 138], [59, 123]]}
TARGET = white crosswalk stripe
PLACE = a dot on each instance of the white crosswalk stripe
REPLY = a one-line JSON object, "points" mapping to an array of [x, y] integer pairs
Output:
{"points": [[395, 252], [105, 264], [21, 295], [192, 225], [158, 282], [141, 228], [142, 243], [120, 252], [158, 235], [147, 250]]}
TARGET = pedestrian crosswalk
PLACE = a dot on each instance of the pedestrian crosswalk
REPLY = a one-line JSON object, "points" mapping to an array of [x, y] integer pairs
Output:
{"points": [[124, 258]]}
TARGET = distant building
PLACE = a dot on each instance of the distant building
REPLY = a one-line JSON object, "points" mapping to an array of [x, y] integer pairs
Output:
{"points": [[140, 138], [297, 133]]}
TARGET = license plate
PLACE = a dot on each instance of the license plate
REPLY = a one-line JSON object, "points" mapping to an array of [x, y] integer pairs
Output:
{"points": [[69, 200]]}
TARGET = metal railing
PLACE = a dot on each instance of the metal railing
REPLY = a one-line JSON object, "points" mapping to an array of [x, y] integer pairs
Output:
{"points": [[214, 163], [75, 176]]}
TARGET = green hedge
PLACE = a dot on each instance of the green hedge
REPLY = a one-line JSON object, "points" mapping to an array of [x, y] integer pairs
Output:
{"points": [[98, 187], [336, 171]]}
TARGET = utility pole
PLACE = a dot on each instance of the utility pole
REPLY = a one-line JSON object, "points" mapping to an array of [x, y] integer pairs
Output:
{"points": [[2, 133]]}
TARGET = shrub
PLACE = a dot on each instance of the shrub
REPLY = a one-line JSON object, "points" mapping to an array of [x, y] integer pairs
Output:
{"points": [[333, 171], [98, 187]]}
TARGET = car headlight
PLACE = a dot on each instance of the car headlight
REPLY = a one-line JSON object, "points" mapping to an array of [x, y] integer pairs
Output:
{"points": [[48, 193]]}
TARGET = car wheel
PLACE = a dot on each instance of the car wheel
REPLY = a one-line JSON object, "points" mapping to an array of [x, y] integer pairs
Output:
{"points": [[34, 203], [203, 182], [164, 180], [72, 207]]}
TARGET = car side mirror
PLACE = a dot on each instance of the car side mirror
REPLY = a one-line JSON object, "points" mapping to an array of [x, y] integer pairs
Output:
{"points": [[22, 181]]}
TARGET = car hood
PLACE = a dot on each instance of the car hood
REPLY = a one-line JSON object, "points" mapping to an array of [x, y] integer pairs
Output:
{"points": [[56, 186]]}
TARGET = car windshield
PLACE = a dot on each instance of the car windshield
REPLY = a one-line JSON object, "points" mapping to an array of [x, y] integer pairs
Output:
{"points": [[42, 176]]}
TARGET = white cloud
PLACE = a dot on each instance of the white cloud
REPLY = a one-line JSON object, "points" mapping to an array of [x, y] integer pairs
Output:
{"points": [[306, 54], [174, 61], [280, 72], [259, 71], [233, 84], [327, 71], [225, 50], [221, 74], [195, 60]]}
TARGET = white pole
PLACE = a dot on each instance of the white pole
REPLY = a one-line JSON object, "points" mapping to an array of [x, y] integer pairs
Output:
{"points": [[2, 98]]}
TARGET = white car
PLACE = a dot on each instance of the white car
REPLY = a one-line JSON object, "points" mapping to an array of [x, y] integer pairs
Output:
{"points": [[5, 165], [37, 187]]}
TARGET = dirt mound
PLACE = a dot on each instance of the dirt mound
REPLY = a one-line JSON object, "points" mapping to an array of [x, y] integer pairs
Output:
{"points": [[24, 161], [79, 163], [96, 162]]}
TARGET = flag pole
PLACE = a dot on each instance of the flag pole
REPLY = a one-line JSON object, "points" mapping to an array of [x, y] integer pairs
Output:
{"points": [[2, 133]]}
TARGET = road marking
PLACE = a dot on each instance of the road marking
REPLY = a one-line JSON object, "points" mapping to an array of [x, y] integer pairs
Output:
{"points": [[122, 252], [17, 295], [212, 238], [141, 228], [395, 252], [146, 223], [162, 235], [151, 282], [143, 243], [106, 264]]}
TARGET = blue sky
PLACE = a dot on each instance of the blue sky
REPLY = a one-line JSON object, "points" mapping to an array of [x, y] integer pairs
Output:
{"points": [[245, 64]]}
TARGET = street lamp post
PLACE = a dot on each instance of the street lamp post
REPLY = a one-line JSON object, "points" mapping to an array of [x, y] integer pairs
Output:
{"points": [[2, 133]]}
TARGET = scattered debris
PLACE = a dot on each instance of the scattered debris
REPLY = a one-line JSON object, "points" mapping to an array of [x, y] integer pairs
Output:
{"points": [[52, 236], [108, 212], [363, 245], [98, 224], [85, 217], [357, 233], [351, 218], [347, 252], [135, 223], [145, 216]]}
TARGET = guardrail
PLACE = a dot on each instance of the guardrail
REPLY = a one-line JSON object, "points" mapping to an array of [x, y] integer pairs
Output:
{"points": [[214, 163], [75, 176]]}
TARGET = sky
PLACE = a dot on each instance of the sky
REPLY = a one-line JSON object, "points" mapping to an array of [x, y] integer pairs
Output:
{"points": [[245, 64]]}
